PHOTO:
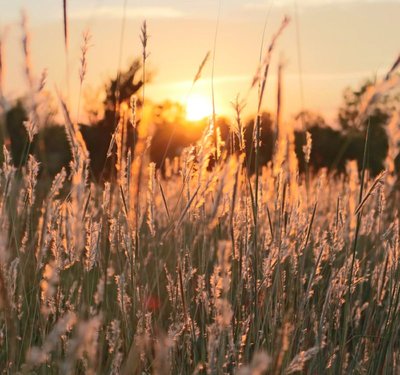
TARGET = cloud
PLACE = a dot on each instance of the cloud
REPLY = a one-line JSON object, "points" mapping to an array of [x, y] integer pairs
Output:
{"points": [[131, 12]]}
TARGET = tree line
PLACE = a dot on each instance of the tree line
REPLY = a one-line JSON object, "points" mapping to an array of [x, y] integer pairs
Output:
{"points": [[331, 148]]}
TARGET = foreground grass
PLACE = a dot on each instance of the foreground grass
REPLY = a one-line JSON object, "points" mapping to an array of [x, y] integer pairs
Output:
{"points": [[197, 273]]}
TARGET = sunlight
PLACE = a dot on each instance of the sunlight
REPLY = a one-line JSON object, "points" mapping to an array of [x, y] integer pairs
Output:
{"points": [[198, 107]]}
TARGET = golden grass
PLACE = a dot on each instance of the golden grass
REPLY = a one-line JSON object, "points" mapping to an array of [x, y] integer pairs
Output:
{"points": [[209, 271]]}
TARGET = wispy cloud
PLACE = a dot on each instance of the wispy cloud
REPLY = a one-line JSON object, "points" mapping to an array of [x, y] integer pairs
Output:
{"points": [[110, 11]]}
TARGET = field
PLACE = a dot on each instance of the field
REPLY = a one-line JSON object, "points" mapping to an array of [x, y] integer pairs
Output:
{"points": [[205, 268], [204, 271]]}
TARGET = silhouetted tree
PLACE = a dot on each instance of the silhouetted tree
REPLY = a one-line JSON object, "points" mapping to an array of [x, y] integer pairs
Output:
{"points": [[355, 131], [98, 136], [49, 146], [266, 141], [172, 132], [326, 142], [14, 119], [52, 150], [332, 148], [119, 90], [230, 140]]}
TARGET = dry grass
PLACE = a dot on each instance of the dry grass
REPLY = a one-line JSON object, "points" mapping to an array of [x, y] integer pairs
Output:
{"points": [[212, 271], [91, 288]]}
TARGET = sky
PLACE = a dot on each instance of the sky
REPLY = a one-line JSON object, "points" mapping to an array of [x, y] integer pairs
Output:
{"points": [[328, 46]]}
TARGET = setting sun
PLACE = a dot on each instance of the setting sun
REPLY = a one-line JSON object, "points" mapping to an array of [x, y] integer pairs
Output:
{"points": [[199, 187], [198, 107]]}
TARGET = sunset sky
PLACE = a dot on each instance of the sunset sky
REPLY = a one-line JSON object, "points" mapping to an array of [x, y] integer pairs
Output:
{"points": [[340, 43]]}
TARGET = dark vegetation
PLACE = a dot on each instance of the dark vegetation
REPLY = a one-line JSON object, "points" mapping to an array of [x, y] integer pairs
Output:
{"points": [[331, 147]]}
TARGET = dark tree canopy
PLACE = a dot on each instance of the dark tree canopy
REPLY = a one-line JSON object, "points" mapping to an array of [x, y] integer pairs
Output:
{"points": [[327, 144], [14, 120], [266, 140], [50, 145], [120, 89], [97, 136], [331, 148], [171, 132], [354, 128]]}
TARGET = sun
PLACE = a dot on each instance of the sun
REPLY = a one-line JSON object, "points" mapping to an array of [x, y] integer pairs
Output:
{"points": [[198, 107]]}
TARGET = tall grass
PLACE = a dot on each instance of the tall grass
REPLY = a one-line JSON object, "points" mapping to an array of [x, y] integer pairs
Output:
{"points": [[81, 291], [214, 272]]}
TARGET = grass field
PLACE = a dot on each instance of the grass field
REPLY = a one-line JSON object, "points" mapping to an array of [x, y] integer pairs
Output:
{"points": [[208, 270], [200, 272]]}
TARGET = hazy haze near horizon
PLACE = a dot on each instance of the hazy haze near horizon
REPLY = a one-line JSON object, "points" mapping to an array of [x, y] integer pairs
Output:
{"points": [[341, 44]]}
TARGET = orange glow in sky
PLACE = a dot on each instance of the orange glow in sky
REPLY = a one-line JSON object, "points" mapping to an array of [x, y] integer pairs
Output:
{"points": [[340, 43]]}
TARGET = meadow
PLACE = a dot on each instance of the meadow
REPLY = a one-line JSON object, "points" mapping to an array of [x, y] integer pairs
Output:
{"points": [[206, 269]]}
